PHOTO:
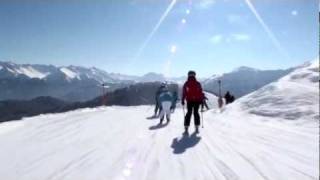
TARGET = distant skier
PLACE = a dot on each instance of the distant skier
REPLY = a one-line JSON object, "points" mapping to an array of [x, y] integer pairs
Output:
{"points": [[165, 100], [232, 98], [192, 92], [204, 103], [174, 101], [158, 105], [229, 98]]}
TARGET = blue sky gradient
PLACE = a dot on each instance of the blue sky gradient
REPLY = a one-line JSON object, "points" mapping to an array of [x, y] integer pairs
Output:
{"points": [[209, 36]]}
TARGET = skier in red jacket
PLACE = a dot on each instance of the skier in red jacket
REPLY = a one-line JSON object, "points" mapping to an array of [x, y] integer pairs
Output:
{"points": [[192, 92]]}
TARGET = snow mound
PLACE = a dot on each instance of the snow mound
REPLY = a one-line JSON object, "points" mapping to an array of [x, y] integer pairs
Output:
{"points": [[295, 96], [10, 126], [212, 100]]}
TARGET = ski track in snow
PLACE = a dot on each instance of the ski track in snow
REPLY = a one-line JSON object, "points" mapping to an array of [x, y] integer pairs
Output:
{"points": [[118, 143], [263, 141]]}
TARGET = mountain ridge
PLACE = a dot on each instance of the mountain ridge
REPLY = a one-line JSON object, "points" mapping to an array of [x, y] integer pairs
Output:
{"points": [[77, 83]]}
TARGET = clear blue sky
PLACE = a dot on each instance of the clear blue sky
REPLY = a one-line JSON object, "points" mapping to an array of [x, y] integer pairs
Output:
{"points": [[209, 36]]}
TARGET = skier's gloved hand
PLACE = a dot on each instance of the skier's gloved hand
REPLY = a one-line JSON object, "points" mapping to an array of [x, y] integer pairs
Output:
{"points": [[182, 102]]}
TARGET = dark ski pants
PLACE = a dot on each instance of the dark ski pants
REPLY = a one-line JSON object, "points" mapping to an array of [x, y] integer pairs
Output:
{"points": [[192, 107], [157, 109]]}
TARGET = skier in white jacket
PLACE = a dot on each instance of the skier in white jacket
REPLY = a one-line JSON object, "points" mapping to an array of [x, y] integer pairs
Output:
{"points": [[165, 99]]}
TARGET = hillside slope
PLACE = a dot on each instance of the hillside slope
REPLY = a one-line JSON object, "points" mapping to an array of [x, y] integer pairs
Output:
{"points": [[120, 143], [295, 96]]}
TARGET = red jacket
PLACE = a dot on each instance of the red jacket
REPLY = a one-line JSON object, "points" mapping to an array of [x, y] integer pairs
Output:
{"points": [[192, 90]]}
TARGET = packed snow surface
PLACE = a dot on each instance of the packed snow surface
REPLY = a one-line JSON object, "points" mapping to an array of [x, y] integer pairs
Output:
{"points": [[239, 142], [120, 143]]}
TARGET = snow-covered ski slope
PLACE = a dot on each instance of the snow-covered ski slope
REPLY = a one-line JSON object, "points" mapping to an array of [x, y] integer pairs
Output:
{"points": [[247, 141]]}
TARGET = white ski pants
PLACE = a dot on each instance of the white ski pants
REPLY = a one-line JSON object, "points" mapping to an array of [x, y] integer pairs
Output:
{"points": [[165, 109]]}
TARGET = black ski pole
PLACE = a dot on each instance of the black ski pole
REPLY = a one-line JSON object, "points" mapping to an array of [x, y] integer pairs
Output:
{"points": [[184, 113]]}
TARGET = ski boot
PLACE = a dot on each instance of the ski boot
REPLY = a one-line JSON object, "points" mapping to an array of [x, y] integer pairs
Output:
{"points": [[168, 119], [161, 119], [197, 129], [186, 132]]}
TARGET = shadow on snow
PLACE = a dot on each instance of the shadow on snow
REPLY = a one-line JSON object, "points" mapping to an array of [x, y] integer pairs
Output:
{"points": [[158, 126], [152, 117], [187, 141]]}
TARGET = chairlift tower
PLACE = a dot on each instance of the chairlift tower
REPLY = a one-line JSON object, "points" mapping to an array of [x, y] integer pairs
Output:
{"points": [[220, 101], [104, 88]]}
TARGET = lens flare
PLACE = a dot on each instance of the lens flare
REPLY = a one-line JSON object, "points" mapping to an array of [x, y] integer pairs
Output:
{"points": [[155, 29], [271, 35], [294, 13], [173, 49]]}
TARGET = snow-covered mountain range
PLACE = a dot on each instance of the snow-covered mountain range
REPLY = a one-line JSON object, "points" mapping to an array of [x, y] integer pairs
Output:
{"points": [[69, 83], [272, 133], [69, 73], [75, 83], [47, 72]]}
